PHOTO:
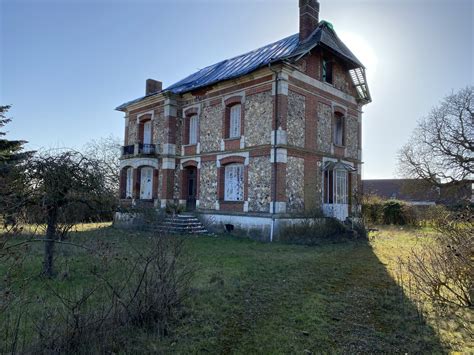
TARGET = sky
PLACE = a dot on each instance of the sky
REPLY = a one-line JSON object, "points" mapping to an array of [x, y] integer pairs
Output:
{"points": [[66, 64]]}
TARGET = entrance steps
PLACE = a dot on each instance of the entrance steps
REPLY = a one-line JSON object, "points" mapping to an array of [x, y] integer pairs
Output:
{"points": [[181, 224]]}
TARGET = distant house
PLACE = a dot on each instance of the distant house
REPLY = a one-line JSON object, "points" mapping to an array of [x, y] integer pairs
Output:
{"points": [[256, 140], [419, 192]]}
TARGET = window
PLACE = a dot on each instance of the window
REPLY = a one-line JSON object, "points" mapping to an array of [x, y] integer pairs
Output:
{"points": [[234, 121], [336, 186], [193, 129], [146, 183], [327, 71], [339, 129], [234, 182], [129, 184]]}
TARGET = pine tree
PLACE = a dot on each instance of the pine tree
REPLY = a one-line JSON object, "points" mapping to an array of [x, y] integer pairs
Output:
{"points": [[12, 182]]}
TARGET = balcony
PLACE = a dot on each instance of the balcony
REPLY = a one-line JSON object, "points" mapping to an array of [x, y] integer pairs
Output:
{"points": [[146, 149], [128, 150], [139, 149]]}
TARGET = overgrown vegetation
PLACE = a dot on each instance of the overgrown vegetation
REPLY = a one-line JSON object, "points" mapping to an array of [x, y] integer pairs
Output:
{"points": [[314, 231], [104, 290], [247, 297]]}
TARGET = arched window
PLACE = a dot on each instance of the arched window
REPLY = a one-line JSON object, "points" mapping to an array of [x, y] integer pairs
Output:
{"points": [[338, 129], [234, 182], [146, 183], [234, 121], [129, 183], [193, 129]]}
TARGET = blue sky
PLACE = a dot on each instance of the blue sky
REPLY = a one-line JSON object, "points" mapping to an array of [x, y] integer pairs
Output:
{"points": [[66, 64]]}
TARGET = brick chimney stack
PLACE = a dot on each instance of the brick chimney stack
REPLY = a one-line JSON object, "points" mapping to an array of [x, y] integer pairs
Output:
{"points": [[153, 86], [309, 17]]}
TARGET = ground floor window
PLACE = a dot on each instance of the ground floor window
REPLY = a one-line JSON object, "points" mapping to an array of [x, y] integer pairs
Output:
{"points": [[129, 184], [234, 182], [146, 183]]}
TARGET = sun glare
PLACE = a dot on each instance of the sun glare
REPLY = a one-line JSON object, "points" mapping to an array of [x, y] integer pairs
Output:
{"points": [[362, 50]]}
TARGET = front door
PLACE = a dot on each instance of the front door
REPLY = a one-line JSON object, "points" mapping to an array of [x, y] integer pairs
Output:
{"points": [[191, 187], [336, 196], [146, 183]]}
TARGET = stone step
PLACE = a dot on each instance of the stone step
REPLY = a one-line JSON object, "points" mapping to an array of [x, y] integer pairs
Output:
{"points": [[181, 224]]}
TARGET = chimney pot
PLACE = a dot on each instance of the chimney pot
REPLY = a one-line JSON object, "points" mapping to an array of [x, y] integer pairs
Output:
{"points": [[309, 17], [153, 86]]}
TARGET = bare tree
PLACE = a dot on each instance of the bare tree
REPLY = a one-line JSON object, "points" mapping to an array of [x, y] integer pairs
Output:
{"points": [[441, 149], [106, 151], [65, 188]]}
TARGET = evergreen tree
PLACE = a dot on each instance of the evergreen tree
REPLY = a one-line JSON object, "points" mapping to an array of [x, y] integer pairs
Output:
{"points": [[12, 182]]}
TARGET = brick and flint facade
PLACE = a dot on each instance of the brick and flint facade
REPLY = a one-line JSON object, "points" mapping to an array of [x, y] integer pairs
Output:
{"points": [[272, 144]]}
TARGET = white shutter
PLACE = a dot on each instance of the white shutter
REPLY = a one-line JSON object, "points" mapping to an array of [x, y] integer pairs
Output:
{"points": [[234, 183], [147, 132], [234, 131], [193, 127], [129, 185]]}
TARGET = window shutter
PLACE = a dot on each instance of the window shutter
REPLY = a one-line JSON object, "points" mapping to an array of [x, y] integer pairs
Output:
{"points": [[234, 183], [234, 131], [193, 126]]}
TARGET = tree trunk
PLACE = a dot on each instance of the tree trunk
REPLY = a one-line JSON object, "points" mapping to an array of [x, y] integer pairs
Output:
{"points": [[49, 243]]}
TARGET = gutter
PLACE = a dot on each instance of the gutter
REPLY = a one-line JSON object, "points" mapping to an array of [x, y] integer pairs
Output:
{"points": [[275, 170]]}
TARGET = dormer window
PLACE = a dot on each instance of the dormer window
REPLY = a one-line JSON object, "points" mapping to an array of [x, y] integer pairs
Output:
{"points": [[327, 71], [338, 129]]}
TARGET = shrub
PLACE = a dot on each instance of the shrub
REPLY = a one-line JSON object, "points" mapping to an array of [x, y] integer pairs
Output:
{"points": [[315, 231], [372, 209]]}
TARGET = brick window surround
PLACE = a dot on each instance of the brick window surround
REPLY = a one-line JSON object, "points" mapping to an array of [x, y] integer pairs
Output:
{"points": [[188, 114], [339, 127], [236, 206], [141, 127], [232, 101]]}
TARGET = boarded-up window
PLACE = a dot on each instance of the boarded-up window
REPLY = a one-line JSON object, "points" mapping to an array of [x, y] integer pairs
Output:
{"points": [[234, 122], [234, 182], [193, 129]]}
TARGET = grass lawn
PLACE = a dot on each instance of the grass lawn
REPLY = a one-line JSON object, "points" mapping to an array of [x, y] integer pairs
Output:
{"points": [[250, 297]]}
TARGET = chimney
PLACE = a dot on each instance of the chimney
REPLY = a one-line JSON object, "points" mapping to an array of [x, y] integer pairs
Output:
{"points": [[309, 17], [153, 86]]}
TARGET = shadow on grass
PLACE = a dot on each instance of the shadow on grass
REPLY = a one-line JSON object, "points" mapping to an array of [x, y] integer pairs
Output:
{"points": [[250, 297], [280, 298]]}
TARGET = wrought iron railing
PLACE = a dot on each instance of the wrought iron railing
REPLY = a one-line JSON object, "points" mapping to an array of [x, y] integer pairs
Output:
{"points": [[146, 149], [128, 150]]}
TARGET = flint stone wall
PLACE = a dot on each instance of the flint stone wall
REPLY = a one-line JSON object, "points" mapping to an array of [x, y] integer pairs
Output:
{"points": [[295, 185], [211, 128], [208, 185], [258, 119], [296, 119], [159, 130], [324, 138], [352, 133], [259, 178]]}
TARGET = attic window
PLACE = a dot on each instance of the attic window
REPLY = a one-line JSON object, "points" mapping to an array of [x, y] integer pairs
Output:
{"points": [[327, 71]]}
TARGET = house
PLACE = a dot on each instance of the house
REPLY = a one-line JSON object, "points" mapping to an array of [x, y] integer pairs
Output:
{"points": [[420, 192], [256, 141], [413, 191]]}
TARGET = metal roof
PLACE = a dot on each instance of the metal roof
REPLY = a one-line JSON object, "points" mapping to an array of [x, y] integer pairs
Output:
{"points": [[289, 48]]}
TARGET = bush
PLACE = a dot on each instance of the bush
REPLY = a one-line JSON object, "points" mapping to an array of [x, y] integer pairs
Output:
{"points": [[372, 209], [316, 231]]}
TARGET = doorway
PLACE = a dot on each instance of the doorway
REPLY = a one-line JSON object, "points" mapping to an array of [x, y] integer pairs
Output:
{"points": [[191, 188]]}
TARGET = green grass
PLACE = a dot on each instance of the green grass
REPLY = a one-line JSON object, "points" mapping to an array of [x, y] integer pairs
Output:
{"points": [[250, 297]]}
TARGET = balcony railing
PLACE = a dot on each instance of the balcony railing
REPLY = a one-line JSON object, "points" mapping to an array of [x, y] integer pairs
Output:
{"points": [[139, 149], [128, 150], [146, 149]]}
